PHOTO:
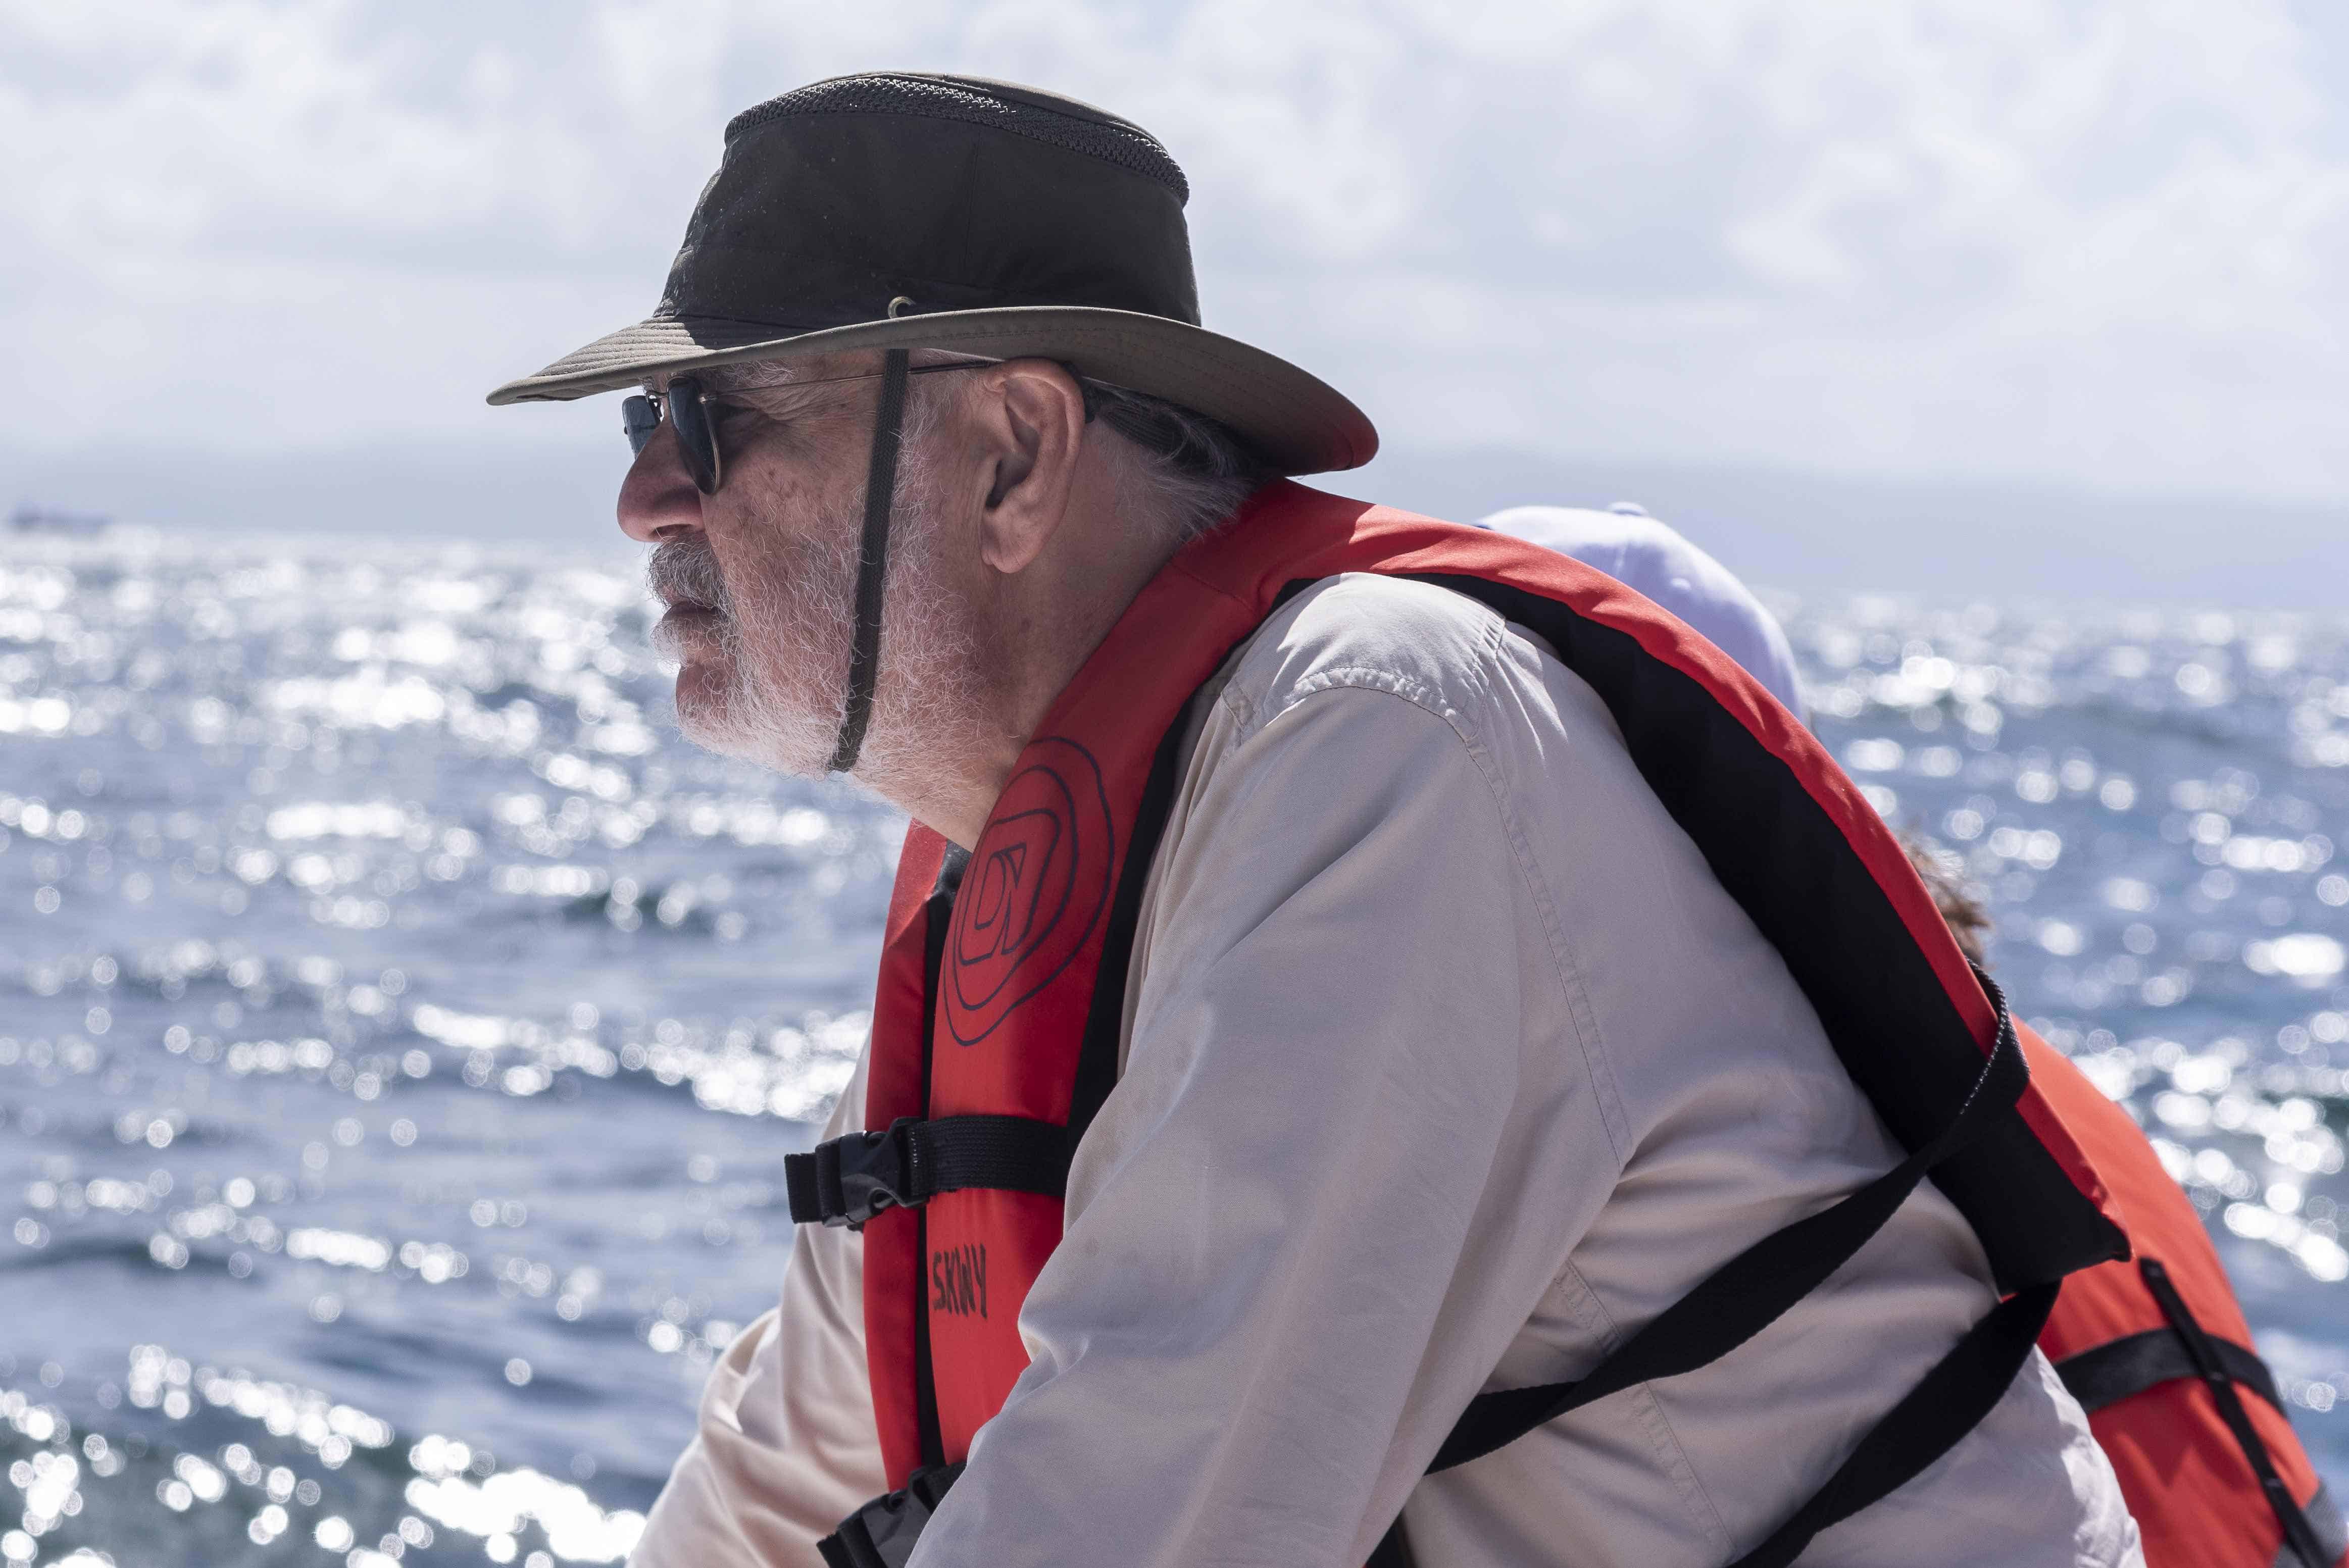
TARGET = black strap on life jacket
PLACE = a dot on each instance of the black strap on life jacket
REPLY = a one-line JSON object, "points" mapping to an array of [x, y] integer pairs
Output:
{"points": [[938, 915], [1737, 1301], [848, 1181], [881, 1534], [1753, 1289], [2210, 1363], [1394, 1549], [2136, 1362]]}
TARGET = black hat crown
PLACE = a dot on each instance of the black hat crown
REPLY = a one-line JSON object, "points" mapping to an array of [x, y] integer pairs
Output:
{"points": [[953, 193], [895, 209]]}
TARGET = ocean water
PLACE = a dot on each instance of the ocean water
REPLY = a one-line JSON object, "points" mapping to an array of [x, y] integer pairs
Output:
{"points": [[401, 1030]]}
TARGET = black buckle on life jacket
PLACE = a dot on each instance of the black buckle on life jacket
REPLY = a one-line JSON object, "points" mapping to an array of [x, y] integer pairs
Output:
{"points": [[848, 1181], [881, 1534]]}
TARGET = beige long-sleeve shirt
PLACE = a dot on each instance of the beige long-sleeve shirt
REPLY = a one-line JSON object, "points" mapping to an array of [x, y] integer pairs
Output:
{"points": [[1449, 1064]]}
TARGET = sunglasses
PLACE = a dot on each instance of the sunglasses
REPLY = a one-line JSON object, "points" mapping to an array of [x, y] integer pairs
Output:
{"points": [[692, 408]]}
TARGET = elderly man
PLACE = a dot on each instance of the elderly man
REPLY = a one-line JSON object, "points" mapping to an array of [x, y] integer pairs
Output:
{"points": [[1363, 996]]}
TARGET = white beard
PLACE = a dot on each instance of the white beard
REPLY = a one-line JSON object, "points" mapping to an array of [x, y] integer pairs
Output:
{"points": [[785, 643], [751, 718]]}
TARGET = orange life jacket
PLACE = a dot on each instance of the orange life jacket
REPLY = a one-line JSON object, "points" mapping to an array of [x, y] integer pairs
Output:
{"points": [[2193, 1482], [996, 1024]]}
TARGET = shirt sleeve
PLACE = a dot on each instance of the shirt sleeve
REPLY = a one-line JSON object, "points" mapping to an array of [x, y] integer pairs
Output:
{"points": [[1248, 1345], [786, 1447]]}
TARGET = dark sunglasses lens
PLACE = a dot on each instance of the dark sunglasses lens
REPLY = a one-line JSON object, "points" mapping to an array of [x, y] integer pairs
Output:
{"points": [[697, 442], [640, 419]]}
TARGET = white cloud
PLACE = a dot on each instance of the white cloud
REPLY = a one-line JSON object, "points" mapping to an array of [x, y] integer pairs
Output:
{"points": [[2104, 242]]}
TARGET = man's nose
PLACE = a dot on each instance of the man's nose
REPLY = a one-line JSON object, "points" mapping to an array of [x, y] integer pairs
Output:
{"points": [[657, 501]]}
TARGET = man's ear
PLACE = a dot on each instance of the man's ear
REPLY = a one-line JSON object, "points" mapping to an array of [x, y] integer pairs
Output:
{"points": [[1033, 421]]}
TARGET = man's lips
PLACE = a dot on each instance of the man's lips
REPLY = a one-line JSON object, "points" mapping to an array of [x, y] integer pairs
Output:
{"points": [[690, 625]]}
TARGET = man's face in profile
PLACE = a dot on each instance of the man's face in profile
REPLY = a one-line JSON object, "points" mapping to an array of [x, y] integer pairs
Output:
{"points": [[760, 578]]}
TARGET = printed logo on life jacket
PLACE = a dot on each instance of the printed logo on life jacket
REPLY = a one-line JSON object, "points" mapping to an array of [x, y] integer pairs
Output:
{"points": [[1037, 884], [958, 1281]]}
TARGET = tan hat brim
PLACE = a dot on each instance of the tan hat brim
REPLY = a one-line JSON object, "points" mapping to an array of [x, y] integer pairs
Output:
{"points": [[1297, 422]]}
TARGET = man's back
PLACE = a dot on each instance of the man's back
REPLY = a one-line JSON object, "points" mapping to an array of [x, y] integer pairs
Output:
{"points": [[1409, 830]]}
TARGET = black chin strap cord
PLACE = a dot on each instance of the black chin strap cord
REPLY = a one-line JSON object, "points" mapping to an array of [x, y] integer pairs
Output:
{"points": [[880, 486]]}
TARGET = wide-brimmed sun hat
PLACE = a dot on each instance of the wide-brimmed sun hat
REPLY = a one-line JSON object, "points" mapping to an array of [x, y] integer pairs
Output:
{"points": [[897, 210]]}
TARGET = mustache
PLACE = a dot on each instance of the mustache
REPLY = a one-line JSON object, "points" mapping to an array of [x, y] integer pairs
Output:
{"points": [[685, 572]]}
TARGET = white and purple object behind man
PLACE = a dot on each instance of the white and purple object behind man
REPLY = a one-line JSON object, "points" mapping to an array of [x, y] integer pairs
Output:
{"points": [[1641, 552]]}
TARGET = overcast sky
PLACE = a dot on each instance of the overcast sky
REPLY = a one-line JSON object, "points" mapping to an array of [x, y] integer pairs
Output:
{"points": [[2102, 243]]}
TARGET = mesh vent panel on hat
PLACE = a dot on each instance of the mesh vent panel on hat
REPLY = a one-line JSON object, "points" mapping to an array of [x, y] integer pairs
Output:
{"points": [[1097, 135]]}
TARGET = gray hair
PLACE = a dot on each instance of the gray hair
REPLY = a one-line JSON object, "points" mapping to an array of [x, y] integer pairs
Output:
{"points": [[1187, 473], [1178, 471]]}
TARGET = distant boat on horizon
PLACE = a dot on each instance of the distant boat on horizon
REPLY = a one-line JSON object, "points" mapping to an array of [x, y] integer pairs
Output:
{"points": [[54, 519]]}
